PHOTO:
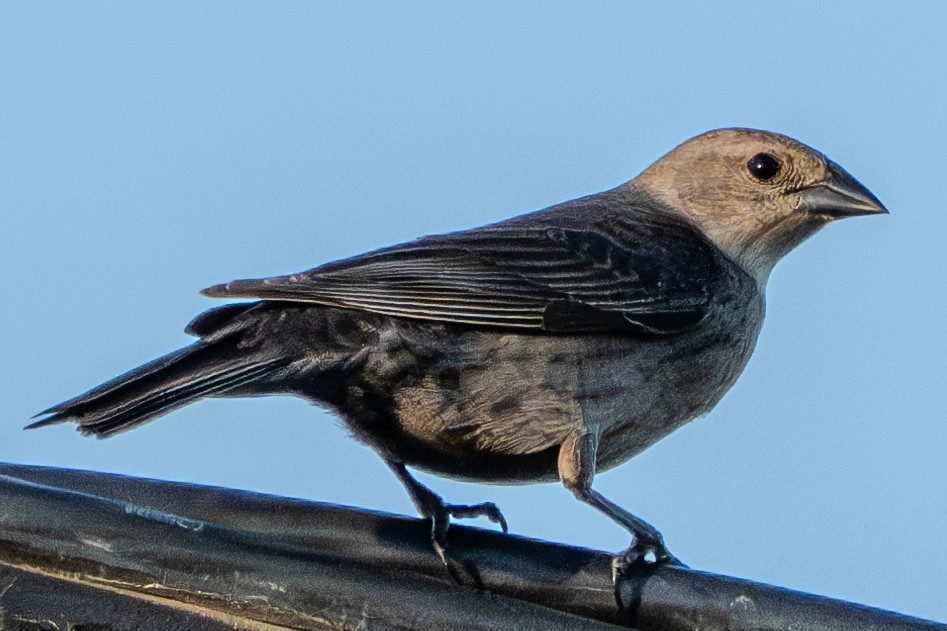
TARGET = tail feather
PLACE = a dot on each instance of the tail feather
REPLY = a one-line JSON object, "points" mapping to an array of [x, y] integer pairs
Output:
{"points": [[141, 395], [159, 404], [122, 381]]}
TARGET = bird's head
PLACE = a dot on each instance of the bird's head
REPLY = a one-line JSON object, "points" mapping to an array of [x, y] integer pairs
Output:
{"points": [[755, 194]]}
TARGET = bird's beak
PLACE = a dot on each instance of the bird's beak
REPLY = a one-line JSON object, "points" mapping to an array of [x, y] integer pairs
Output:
{"points": [[839, 196]]}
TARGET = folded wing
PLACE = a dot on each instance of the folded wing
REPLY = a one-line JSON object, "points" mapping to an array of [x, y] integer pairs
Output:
{"points": [[591, 265]]}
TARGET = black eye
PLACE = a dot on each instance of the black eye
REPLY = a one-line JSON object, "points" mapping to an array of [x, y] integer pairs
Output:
{"points": [[763, 166]]}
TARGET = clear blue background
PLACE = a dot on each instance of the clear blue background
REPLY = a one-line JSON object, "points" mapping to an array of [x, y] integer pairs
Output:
{"points": [[148, 150]]}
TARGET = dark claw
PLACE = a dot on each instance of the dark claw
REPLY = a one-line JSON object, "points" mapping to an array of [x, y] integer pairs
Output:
{"points": [[486, 509], [433, 507], [440, 521], [645, 551]]}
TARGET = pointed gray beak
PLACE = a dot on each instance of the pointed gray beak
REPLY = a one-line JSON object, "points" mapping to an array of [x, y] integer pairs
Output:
{"points": [[840, 196]]}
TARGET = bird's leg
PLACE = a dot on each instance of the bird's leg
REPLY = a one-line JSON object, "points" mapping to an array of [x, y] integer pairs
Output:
{"points": [[576, 470], [432, 506]]}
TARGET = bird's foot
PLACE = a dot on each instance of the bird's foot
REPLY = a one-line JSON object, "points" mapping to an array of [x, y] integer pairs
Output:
{"points": [[631, 569], [646, 552], [433, 507]]}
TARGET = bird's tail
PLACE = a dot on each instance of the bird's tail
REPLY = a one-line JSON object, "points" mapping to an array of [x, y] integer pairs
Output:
{"points": [[203, 369]]}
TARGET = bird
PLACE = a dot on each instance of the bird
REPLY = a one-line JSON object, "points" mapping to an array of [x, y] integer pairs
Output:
{"points": [[546, 347]]}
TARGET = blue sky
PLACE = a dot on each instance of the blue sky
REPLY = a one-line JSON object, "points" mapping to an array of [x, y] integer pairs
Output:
{"points": [[148, 150]]}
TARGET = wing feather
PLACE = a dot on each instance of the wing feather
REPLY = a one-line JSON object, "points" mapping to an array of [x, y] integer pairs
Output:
{"points": [[592, 265]]}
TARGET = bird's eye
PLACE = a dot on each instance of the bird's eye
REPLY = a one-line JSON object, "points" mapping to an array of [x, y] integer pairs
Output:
{"points": [[763, 166]]}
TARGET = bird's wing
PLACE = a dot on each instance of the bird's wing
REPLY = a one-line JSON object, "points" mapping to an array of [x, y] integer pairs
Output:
{"points": [[583, 266]]}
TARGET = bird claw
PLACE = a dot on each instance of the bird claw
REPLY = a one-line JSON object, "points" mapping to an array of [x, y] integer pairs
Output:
{"points": [[434, 508], [644, 553], [488, 510]]}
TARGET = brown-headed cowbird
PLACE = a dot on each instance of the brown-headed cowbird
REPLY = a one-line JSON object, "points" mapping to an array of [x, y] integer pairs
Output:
{"points": [[548, 346]]}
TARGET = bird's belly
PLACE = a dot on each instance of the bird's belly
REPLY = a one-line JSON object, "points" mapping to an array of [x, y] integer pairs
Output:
{"points": [[503, 396], [496, 407]]}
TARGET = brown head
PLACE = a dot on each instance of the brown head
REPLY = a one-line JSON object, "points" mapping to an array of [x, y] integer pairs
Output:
{"points": [[755, 194]]}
